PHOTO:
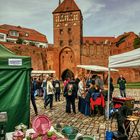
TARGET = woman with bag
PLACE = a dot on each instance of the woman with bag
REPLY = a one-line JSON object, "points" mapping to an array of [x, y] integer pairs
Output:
{"points": [[50, 93], [81, 92], [70, 95]]}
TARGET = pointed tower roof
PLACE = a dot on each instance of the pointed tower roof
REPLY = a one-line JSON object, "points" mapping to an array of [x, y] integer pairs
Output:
{"points": [[66, 6]]}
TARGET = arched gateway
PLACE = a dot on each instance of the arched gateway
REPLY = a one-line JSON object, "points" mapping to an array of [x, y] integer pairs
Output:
{"points": [[67, 63], [67, 73]]}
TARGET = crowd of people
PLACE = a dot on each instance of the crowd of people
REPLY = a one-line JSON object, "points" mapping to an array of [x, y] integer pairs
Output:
{"points": [[88, 90], [46, 88]]}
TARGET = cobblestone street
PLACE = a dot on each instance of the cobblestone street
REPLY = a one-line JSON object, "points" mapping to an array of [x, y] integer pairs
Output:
{"points": [[96, 125]]}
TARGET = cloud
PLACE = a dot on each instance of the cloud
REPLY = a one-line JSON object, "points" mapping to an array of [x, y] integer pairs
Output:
{"points": [[101, 17], [90, 7], [36, 14]]}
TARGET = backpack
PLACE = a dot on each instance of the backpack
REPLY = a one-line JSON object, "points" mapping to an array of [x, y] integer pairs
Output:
{"points": [[70, 88]]}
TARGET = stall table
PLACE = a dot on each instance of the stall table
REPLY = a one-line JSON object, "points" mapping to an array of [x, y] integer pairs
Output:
{"points": [[135, 121], [119, 101]]}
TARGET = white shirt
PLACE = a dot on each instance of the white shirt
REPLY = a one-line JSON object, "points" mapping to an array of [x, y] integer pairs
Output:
{"points": [[50, 88]]}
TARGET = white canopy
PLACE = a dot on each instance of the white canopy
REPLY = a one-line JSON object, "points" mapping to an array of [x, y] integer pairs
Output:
{"points": [[128, 59], [40, 72], [95, 68]]}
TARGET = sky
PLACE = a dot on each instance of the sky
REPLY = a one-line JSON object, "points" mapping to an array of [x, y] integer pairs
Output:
{"points": [[100, 17]]}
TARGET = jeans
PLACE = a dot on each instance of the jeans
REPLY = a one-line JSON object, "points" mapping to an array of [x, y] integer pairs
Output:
{"points": [[44, 93], [49, 100], [123, 93], [57, 96], [34, 103], [69, 102]]}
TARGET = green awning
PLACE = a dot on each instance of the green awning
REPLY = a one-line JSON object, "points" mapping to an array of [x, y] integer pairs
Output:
{"points": [[15, 74]]}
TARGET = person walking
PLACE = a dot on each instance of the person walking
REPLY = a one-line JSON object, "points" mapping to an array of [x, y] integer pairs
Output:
{"points": [[35, 87], [81, 91], [122, 85], [70, 94], [56, 85], [50, 93], [32, 89], [44, 86]]}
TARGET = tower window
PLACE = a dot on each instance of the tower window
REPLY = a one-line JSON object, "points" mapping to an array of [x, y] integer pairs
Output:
{"points": [[62, 16], [69, 30], [70, 42], [71, 15], [61, 31], [61, 42], [76, 17]]}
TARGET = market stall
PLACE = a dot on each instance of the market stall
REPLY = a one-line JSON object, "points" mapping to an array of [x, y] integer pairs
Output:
{"points": [[42, 72], [14, 87], [42, 129], [100, 100], [128, 59], [95, 68]]}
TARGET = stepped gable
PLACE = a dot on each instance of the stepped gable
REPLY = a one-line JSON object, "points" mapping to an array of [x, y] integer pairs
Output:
{"points": [[67, 6], [126, 36]]}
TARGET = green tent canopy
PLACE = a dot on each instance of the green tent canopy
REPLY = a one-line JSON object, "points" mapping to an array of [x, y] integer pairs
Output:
{"points": [[15, 74]]}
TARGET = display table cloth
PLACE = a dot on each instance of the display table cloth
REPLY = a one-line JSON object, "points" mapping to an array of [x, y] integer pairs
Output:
{"points": [[10, 134]]}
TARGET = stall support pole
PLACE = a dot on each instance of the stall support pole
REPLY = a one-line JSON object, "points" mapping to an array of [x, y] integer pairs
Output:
{"points": [[108, 96]]}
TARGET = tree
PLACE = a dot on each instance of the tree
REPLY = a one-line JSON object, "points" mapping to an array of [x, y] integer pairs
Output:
{"points": [[136, 43], [19, 41], [32, 43]]}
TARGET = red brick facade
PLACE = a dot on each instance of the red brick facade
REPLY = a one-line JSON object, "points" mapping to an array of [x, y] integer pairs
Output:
{"points": [[67, 36], [73, 48], [38, 55]]}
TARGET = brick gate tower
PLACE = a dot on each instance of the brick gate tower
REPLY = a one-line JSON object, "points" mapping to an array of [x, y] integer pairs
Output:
{"points": [[68, 34]]}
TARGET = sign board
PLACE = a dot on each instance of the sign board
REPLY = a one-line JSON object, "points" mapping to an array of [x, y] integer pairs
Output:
{"points": [[3, 117], [15, 62]]}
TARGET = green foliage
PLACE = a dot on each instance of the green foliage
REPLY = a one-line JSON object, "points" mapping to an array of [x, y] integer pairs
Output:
{"points": [[32, 43], [19, 41], [136, 43]]}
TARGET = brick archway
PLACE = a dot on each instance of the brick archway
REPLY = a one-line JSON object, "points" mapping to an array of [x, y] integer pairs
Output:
{"points": [[67, 60], [67, 73]]}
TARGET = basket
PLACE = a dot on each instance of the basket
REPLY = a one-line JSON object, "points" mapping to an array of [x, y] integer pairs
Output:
{"points": [[70, 132]]}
